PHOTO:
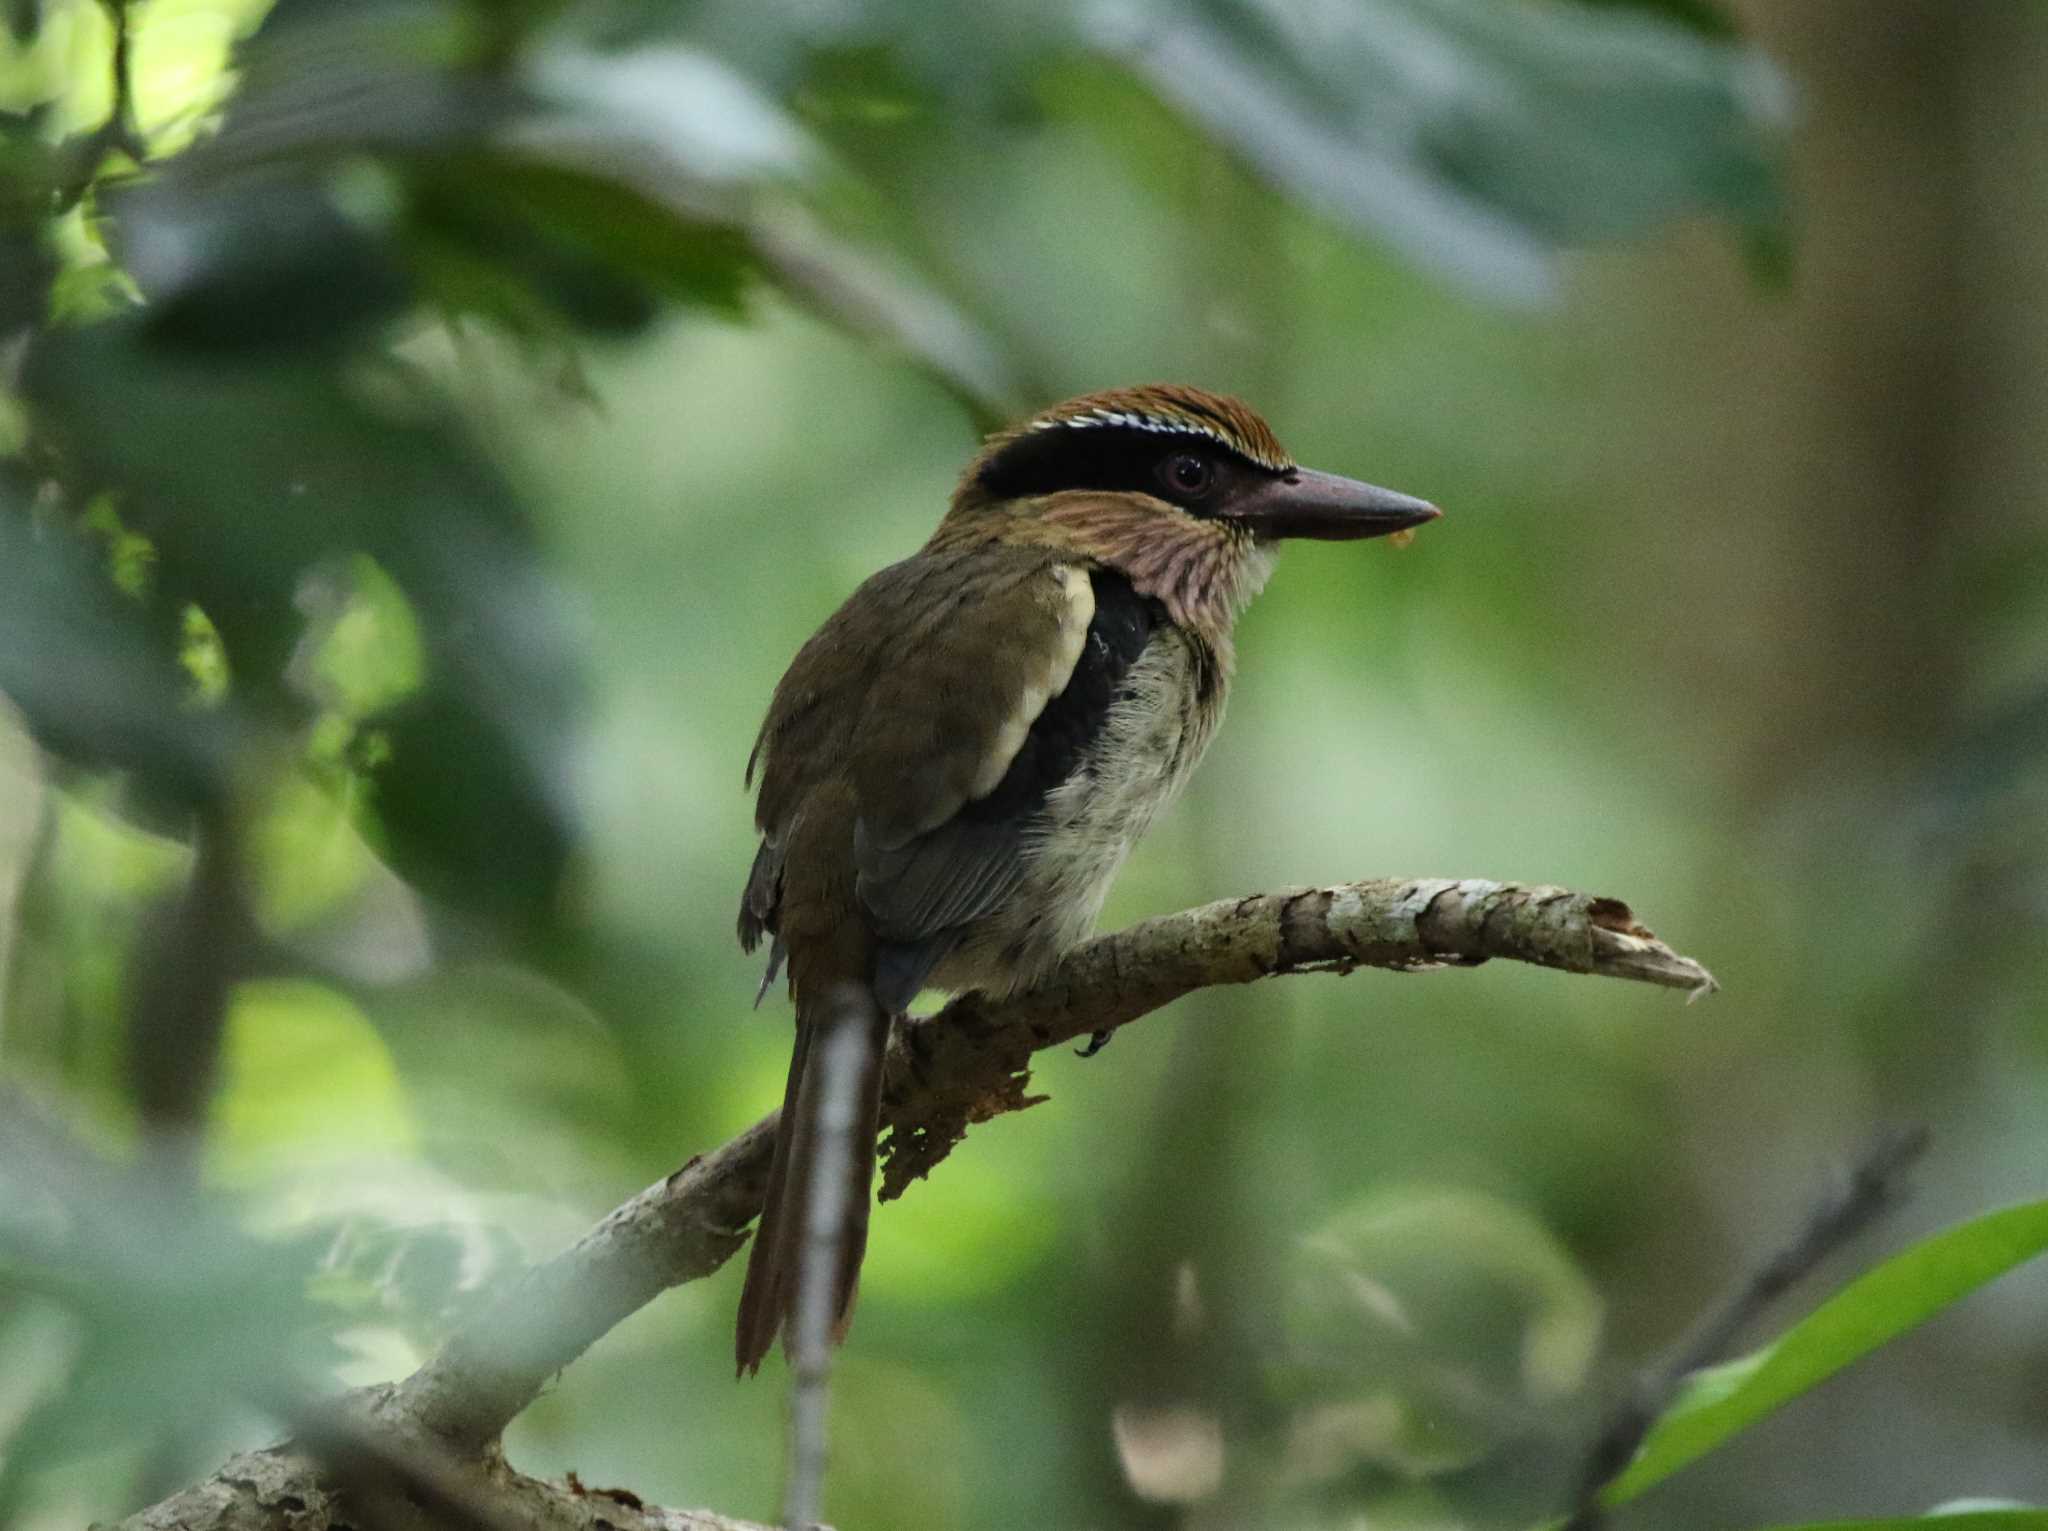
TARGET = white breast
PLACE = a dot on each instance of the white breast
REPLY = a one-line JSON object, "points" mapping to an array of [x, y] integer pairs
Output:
{"points": [[1150, 744]]}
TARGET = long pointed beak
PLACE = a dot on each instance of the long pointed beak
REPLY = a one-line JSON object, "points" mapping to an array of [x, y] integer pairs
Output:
{"points": [[1305, 503]]}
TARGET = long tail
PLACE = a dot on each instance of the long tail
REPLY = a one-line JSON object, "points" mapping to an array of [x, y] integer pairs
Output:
{"points": [[786, 1247]]}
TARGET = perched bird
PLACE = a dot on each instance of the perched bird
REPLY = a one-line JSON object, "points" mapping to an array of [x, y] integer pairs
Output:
{"points": [[956, 764]]}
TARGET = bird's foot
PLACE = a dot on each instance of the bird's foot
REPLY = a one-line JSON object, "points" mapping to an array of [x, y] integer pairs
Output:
{"points": [[1096, 1042]]}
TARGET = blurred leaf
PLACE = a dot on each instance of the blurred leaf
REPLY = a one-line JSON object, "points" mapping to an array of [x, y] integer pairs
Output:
{"points": [[361, 653], [303, 1072], [1705, 16], [230, 266], [290, 197], [697, 142], [546, 1115], [475, 802], [883, 302], [1898, 1295], [28, 174], [1476, 138], [78, 660], [581, 239], [665, 111], [180, 1317], [1414, 1320], [365, 161], [1417, 1266]]}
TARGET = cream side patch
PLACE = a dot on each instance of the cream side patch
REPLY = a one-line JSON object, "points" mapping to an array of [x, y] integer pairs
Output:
{"points": [[1072, 607]]}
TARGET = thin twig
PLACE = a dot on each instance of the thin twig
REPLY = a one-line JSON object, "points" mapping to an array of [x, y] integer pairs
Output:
{"points": [[124, 133], [192, 951], [844, 1059], [80, 165], [1872, 1188]]}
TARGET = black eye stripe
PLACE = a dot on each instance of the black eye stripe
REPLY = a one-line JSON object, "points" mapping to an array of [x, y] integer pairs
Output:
{"points": [[1107, 457]]}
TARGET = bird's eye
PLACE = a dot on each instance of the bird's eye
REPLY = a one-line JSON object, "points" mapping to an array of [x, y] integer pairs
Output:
{"points": [[1186, 473]]}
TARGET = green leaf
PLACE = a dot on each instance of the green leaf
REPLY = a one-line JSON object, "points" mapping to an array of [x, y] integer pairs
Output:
{"points": [[1936, 1520], [562, 227], [1879, 1306]]}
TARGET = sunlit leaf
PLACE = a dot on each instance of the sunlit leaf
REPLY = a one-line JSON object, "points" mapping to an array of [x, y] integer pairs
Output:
{"points": [[303, 1073]]}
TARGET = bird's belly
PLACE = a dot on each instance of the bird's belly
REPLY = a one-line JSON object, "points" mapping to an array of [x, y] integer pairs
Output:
{"points": [[1148, 747]]}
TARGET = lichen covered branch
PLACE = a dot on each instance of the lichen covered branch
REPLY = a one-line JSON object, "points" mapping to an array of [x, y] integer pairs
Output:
{"points": [[970, 1062]]}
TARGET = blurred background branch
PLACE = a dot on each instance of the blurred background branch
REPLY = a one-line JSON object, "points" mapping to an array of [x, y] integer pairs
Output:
{"points": [[1872, 1187]]}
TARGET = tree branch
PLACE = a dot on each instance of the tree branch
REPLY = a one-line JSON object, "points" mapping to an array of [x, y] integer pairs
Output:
{"points": [[969, 1062], [369, 1483]]}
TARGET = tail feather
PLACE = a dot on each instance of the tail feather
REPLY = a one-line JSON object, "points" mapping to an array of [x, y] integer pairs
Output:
{"points": [[777, 1264]]}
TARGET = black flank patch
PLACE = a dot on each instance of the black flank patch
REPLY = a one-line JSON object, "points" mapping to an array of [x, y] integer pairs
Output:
{"points": [[1052, 750]]}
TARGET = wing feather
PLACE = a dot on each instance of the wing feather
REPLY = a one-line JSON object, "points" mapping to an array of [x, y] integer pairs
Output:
{"points": [[950, 747]]}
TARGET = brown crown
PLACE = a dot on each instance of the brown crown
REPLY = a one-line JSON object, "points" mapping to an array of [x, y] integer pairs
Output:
{"points": [[1166, 408]]}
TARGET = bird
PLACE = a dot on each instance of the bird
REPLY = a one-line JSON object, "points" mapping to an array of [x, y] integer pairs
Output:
{"points": [[955, 765]]}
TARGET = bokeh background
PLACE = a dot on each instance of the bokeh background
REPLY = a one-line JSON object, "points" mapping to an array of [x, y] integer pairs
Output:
{"points": [[432, 429]]}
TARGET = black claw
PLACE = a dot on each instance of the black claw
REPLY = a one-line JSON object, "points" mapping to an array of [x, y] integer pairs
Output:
{"points": [[1096, 1042]]}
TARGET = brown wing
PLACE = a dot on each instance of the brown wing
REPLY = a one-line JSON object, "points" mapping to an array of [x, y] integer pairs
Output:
{"points": [[919, 695]]}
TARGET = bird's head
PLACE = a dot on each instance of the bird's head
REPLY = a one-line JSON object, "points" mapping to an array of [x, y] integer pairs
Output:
{"points": [[1180, 490]]}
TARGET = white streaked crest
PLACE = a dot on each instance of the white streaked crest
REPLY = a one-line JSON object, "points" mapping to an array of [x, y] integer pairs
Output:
{"points": [[1165, 425]]}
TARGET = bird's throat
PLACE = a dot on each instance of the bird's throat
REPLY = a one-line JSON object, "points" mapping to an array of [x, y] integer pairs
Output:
{"points": [[1203, 571]]}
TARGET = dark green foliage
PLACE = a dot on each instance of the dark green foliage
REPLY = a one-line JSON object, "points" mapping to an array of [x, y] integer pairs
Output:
{"points": [[474, 804], [81, 664]]}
